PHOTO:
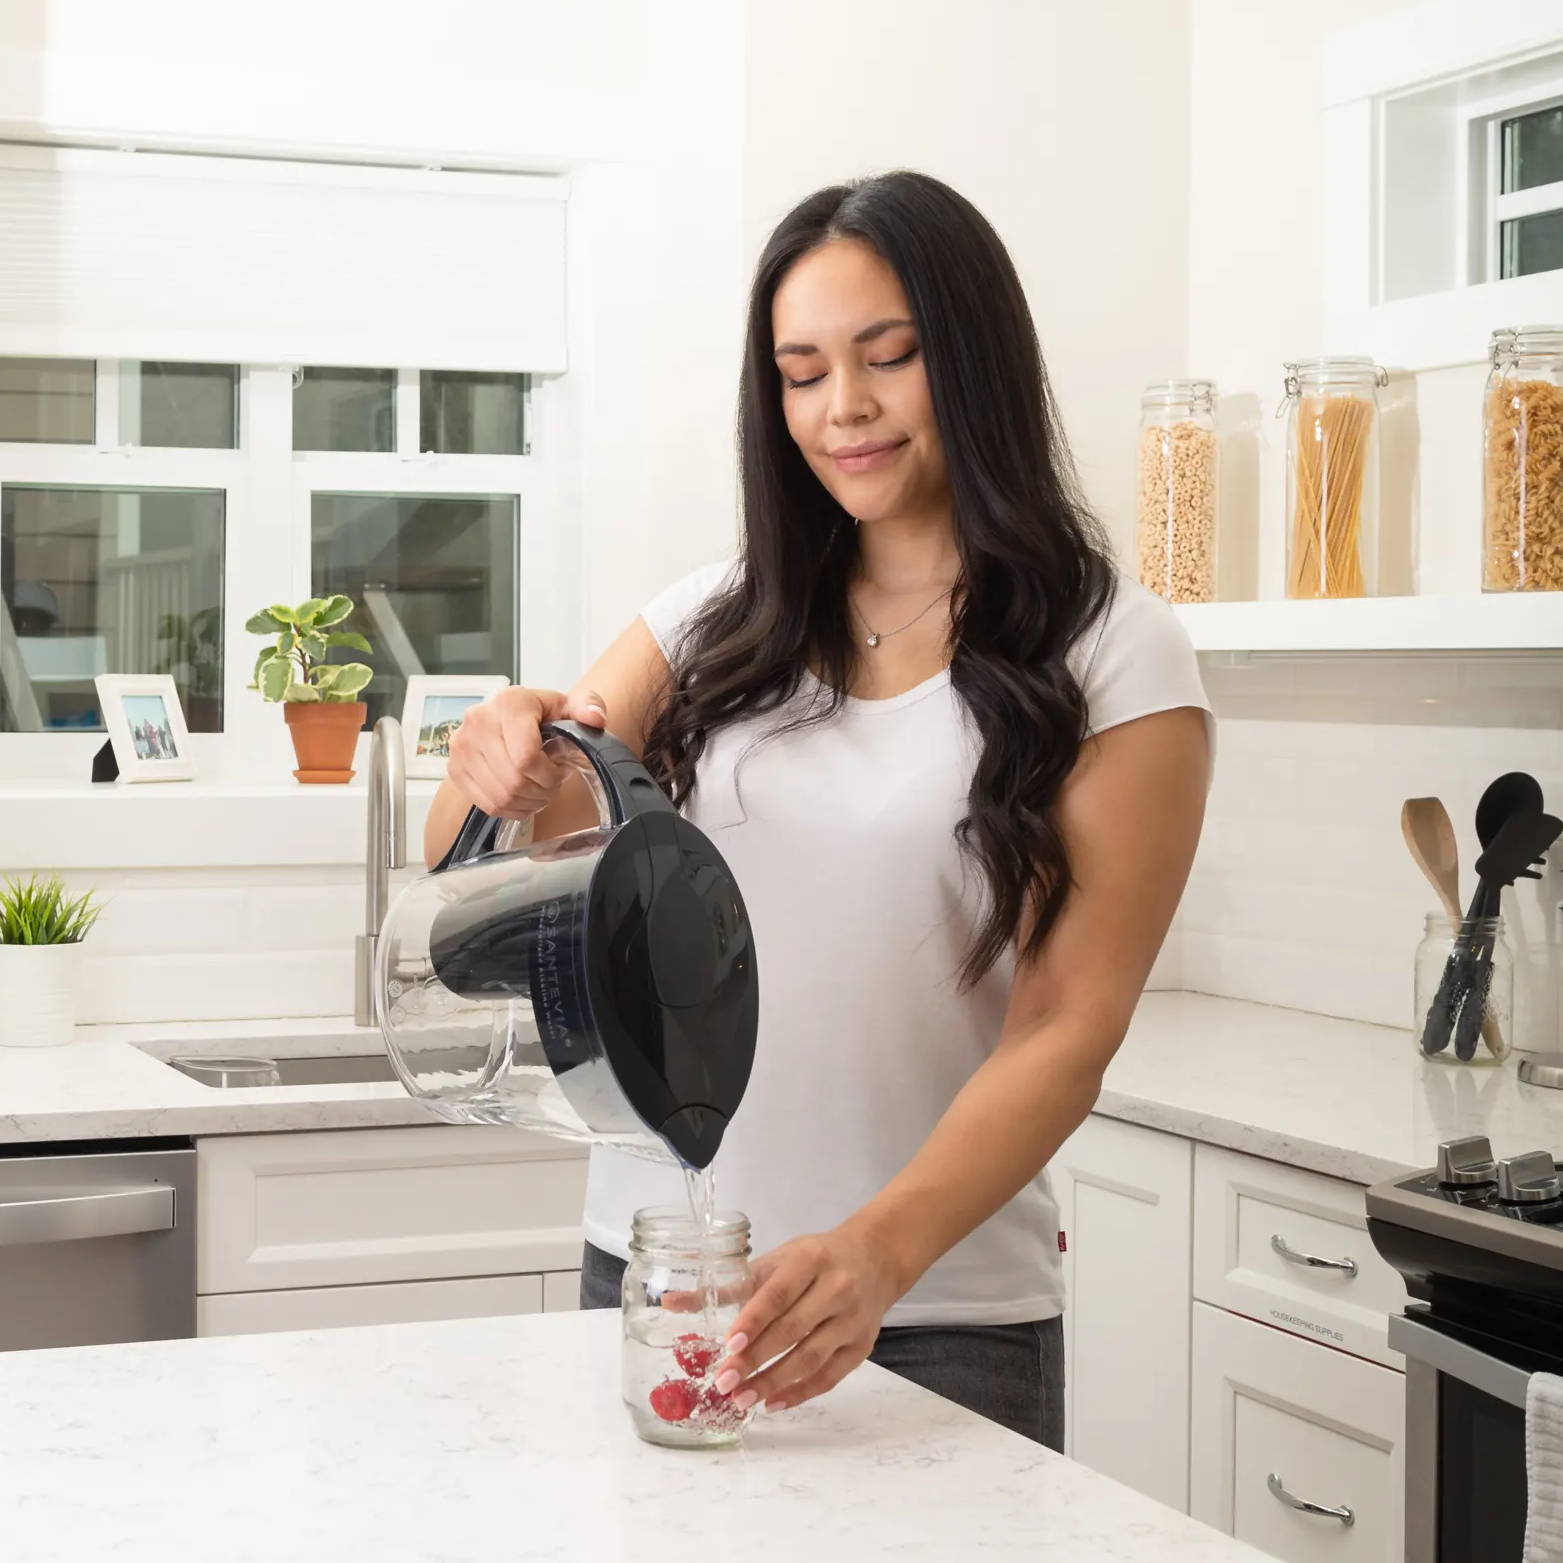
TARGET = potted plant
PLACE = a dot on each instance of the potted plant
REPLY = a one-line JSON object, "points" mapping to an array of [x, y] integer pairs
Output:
{"points": [[41, 930], [319, 698]]}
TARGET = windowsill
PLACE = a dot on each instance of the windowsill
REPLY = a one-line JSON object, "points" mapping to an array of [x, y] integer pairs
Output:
{"points": [[194, 824]]}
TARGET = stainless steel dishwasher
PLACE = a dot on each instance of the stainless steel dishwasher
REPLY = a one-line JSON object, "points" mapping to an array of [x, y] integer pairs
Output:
{"points": [[97, 1242]]}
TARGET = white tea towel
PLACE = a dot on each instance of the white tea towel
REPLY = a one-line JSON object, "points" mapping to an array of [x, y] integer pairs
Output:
{"points": [[1544, 1468]]}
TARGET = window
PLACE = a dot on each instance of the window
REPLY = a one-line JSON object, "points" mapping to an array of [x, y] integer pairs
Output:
{"points": [[1527, 169], [434, 580], [148, 508], [100, 580]]}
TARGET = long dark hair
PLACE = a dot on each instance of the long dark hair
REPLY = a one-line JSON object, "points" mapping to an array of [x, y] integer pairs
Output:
{"points": [[1035, 570]]}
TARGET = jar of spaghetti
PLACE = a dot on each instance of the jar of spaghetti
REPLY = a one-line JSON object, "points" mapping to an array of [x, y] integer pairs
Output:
{"points": [[1522, 511], [1176, 533], [1332, 477]]}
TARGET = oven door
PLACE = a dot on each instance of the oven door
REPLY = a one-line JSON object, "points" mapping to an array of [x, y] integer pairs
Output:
{"points": [[1465, 1442]]}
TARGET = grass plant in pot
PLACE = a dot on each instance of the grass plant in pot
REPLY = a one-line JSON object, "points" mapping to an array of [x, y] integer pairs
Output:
{"points": [[319, 698], [41, 933]]}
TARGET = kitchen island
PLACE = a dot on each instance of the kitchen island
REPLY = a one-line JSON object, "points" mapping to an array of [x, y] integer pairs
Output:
{"points": [[505, 1438]]}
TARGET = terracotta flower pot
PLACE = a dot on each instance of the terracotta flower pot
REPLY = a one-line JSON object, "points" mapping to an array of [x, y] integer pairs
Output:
{"points": [[325, 733]]}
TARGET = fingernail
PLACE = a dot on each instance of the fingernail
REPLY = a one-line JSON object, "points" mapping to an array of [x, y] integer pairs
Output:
{"points": [[773, 1406], [727, 1382], [736, 1343], [596, 709], [744, 1401]]}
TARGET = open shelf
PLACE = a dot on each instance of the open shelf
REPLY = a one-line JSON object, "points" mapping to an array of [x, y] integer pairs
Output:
{"points": [[1498, 621]]}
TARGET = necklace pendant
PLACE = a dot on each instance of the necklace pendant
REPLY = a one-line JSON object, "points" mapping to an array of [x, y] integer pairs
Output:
{"points": [[873, 639]]}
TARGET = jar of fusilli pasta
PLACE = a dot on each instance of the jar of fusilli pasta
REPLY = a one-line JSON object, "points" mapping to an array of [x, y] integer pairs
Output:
{"points": [[1522, 511], [1332, 477], [1176, 533]]}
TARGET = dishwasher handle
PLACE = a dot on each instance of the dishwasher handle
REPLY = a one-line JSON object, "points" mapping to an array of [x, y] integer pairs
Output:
{"points": [[58, 1218]]}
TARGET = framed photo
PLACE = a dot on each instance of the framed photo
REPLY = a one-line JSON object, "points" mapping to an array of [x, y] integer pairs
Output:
{"points": [[434, 709], [146, 726]]}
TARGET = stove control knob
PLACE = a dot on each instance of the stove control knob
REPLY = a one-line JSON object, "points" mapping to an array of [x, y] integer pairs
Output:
{"points": [[1466, 1163], [1530, 1179]]}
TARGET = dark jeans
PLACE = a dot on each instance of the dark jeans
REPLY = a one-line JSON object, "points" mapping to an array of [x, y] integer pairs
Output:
{"points": [[1012, 1374]]}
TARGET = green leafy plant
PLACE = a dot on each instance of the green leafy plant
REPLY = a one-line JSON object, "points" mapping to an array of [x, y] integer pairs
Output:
{"points": [[294, 666], [38, 911]]}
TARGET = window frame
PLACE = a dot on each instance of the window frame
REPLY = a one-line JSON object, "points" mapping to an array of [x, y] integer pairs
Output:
{"points": [[268, 488], [1502, 61]]}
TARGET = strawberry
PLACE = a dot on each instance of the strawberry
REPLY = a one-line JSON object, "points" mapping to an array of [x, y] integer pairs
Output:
{"points": [[695, 1354], [718, 1411], [673, 1400]]}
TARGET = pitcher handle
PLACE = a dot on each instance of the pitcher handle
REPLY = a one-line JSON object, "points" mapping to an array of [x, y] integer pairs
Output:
{"points": [[621, 785]]}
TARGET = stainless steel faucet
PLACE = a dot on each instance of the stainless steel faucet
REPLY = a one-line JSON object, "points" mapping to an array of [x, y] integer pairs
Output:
{"points": [[387, 849]]}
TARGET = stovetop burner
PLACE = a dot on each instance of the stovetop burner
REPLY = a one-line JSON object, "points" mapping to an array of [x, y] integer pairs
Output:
{"points": [[1479, 1241]]}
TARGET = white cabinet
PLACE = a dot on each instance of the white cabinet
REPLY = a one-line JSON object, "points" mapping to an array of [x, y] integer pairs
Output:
{"points": [[379, 1226], [1291, 1248], [562, 1291], [1275, 1415], [358, 1207], [398, 1302], [1124, 1197]]}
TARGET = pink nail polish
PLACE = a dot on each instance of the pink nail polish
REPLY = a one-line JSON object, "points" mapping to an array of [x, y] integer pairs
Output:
{"points": [[727, 1382], [773, 1406], [736, 1343], [744, 1401]]}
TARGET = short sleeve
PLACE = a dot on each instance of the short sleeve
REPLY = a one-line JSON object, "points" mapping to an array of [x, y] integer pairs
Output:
{"points": [[1137, 659], [671, 609]]}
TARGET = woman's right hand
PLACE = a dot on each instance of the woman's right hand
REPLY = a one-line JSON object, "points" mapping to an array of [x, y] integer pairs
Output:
{"points": [[496, 756]]}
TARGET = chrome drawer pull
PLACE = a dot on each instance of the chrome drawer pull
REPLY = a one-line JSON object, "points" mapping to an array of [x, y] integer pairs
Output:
{"points": [[1347, 1267], [1278, 1490]]}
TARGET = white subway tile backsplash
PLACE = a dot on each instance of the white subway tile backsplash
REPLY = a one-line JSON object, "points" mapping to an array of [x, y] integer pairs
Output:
{"points": [[1303, 893]]}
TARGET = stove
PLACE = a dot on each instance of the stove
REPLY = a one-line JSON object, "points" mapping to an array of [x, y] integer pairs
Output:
{"points": [[1479, 1241]]}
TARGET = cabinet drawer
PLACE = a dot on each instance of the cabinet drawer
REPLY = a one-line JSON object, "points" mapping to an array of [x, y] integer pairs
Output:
{"points": [[398, 1302], [1255, 1224], [1327, 1426], [562, 1291], [356, 1207]]}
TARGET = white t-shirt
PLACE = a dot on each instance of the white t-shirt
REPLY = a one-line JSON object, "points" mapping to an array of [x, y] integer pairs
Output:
{"points": [[862, 908]]}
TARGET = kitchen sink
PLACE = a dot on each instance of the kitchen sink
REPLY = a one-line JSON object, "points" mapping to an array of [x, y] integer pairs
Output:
{"points": [[228, 1072]]}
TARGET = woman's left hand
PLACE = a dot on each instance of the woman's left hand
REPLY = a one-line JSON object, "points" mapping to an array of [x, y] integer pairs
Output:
{"points": [[817, 1309]]}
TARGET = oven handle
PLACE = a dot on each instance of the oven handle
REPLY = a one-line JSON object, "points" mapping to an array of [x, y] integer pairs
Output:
{"points": [[1489, 1374]]}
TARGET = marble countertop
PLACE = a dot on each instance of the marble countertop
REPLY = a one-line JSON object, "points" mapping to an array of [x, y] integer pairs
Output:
{"points": [[1333, 1096], [484, 1439], [111, 1083]]}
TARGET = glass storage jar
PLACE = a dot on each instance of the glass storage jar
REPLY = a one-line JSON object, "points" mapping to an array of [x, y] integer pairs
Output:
{"points": [[1464, 991], [1522, 487], [684, 1286], [1178, 475], [1332, 477]]}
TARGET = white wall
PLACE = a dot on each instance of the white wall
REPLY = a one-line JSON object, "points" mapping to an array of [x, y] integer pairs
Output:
{"points": [[1303, 893], [1067, 124]]}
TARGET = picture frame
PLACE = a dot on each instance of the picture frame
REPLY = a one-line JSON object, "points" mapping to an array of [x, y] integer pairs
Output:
{"points": [[146, 727], [433, 709]]}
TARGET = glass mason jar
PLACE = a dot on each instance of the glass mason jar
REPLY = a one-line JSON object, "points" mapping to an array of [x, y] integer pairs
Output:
{"points": [[1332, 477], [1178, 474], [683, 1288], [1464, 991], [1522, 487]]}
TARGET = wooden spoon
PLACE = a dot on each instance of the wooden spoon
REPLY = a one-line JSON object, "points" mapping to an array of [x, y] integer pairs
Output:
{"points": [[1429, 833]]}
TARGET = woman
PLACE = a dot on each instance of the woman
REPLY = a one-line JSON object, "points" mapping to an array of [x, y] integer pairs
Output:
{"points": [[958, 767]]}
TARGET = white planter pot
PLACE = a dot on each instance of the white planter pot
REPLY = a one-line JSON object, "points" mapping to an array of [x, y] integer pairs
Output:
{"points": [[38, 993]]}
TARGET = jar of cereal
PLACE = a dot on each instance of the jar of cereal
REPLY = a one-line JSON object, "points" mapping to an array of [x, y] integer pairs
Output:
{"points": [[1522, 511], [1176, 535]]}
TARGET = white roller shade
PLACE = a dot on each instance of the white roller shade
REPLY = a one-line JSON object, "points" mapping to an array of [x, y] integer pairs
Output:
{"points": [[231, 260]]}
